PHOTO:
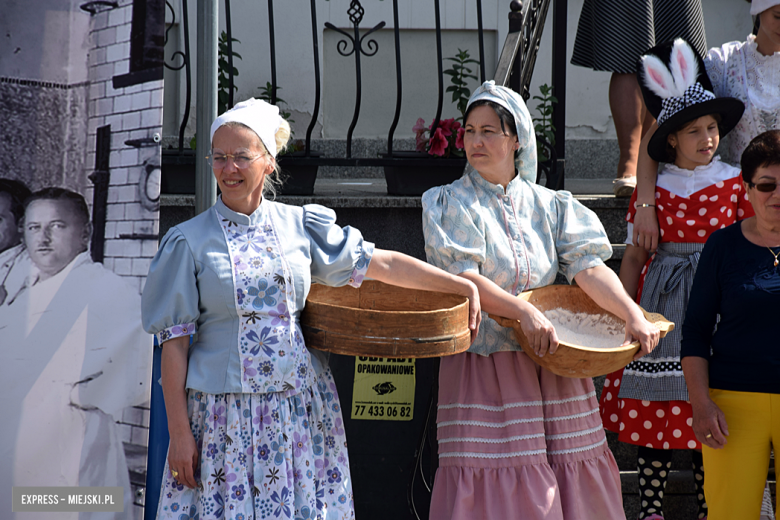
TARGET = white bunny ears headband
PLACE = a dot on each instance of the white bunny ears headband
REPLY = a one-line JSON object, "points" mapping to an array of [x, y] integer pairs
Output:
{"points": [[677, 85], [676, 90]]}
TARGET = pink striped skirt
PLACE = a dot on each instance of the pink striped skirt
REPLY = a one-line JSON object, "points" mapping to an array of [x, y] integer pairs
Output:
{"points": [[517, 441]]}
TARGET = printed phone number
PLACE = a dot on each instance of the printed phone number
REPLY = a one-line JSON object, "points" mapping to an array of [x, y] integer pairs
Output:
{"points": [[383, 411]]}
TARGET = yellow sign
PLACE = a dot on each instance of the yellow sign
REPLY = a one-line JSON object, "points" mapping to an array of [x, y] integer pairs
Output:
{"points": [[384, 389]]}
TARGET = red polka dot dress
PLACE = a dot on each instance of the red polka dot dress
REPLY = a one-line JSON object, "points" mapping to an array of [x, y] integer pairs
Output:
{"points": [[690, 205]]}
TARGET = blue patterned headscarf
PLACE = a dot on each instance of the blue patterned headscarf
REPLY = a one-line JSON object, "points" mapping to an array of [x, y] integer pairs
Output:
{"points": [[526, 137]]}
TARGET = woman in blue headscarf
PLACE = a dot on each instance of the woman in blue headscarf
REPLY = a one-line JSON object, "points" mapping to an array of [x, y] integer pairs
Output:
{"points": [[517, 441]]}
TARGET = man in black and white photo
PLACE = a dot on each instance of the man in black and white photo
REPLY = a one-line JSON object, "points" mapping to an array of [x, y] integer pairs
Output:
{"points": [[12, 196], [76, 355]]}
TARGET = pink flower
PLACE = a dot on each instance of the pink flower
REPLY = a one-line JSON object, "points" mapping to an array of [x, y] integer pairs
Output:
{"points": [[459, 139], [438, 143], [421, 142], [445, 125], [419, 128], [449, 126]]}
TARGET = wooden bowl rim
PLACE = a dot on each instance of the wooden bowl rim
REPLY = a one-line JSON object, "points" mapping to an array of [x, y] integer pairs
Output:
{"points": [[361, 309], [622, 348]]}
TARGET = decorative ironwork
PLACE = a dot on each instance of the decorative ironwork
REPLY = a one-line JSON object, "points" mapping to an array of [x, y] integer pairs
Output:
{"points": [[355, 12], [356, 15], [481, 33], [316, 111], [165, 42], [229, 32], [272, 39], [185, 56], [518, 52], [440, 67], [398, 87]]}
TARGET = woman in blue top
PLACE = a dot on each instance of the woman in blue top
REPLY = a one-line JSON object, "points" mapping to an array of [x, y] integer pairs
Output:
{"points": [[515, 440], [254, 417], [729, 347]]}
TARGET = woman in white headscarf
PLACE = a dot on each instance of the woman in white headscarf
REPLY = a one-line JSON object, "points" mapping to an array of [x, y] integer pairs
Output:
{"points": [[254, 416], [517, 441]]}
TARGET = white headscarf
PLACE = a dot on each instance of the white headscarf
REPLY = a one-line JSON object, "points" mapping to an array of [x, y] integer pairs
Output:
{"points": [[263, 118], [759, 6], [526, 137]]}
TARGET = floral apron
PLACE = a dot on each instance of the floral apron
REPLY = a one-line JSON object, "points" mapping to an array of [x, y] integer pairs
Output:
{"points": [[277, 450]]}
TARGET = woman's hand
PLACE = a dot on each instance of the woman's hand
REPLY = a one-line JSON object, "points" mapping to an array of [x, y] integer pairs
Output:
{"points": [[709, 423], [404, 271], [475, 310], [645, 233], [641, 330], [538, 330], [183, 451], [603, 285], [183, 458]]}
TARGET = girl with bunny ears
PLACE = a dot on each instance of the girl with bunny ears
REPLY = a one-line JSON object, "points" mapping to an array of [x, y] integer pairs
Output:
{"points": [[748, 70], [647, 403]]}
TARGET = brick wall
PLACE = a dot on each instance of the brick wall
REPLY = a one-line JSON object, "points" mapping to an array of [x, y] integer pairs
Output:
{"points": [[134, 113]]}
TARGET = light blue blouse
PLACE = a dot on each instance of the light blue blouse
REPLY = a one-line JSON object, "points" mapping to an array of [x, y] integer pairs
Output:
{"points": [[190, 287], [519, 238]]}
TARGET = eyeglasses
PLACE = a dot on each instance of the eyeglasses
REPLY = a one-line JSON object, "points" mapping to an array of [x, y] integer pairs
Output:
{"points": [[764, 187], [241, 160]]}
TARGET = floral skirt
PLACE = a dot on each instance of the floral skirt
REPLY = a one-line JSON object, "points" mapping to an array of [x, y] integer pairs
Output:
{"points": [[265, 456], [663, 425]]}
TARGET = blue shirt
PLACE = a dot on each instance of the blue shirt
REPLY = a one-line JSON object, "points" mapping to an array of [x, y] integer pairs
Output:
{"points": [[191, 288], [519, 238]]}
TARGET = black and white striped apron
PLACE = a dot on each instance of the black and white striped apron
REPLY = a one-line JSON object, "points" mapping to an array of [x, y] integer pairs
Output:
{"points": [[658, 376]]}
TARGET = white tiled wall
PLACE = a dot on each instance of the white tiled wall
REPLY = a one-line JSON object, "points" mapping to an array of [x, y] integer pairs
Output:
{"points": [[134, 113]]}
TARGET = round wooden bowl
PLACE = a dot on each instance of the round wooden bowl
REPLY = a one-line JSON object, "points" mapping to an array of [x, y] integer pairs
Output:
{"points": [[382, 320], [578, 360]]}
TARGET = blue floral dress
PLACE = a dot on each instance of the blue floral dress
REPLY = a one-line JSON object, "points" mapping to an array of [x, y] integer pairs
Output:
{"points": [[276, 448]]}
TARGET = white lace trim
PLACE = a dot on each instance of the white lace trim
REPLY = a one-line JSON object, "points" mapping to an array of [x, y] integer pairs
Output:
{"points": [[522, 404], [484, 440], [573, 435], [577, 450], [475, 455], [573, 416], [487, 424]]}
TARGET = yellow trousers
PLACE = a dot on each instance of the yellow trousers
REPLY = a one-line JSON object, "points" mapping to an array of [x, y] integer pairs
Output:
{"points": [[734, 476]]}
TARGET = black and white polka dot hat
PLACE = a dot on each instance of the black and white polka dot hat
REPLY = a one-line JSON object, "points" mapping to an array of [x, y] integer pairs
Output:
{"points": [[676, 90]]}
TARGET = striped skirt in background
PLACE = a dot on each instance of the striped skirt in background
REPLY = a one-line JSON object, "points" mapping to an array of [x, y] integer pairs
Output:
{"points": [[516, 441], [612, 34]]}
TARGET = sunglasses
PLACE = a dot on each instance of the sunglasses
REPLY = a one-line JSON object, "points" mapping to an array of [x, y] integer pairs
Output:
{"points": [[764, 187]]}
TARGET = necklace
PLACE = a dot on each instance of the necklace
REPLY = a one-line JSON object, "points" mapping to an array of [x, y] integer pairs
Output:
{"points": [[775, 255]]}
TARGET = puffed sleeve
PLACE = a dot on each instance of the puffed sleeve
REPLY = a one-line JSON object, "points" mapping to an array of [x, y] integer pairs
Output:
{"points": [[453, 241], [169, 304], [339, 256], [715, 65], [580, 240]]}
